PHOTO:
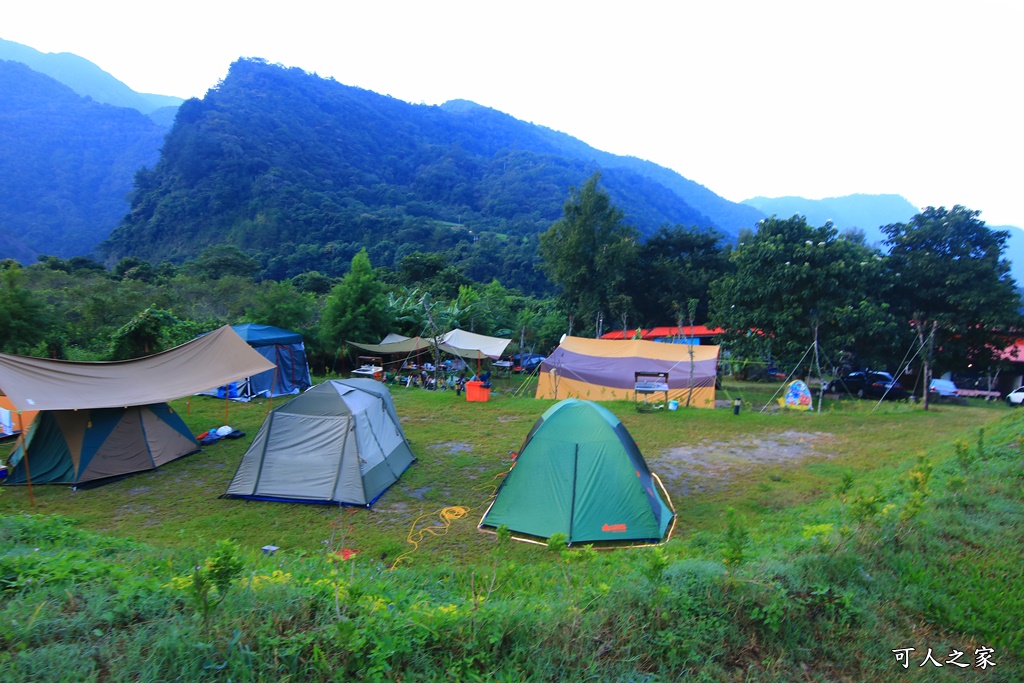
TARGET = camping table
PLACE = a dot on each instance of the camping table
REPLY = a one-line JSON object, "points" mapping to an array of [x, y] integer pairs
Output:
{"points": [[649, 383]]}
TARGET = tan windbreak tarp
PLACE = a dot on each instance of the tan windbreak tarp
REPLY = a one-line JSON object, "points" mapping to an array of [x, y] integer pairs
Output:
{"points": [[215, 359], [605, 370]]}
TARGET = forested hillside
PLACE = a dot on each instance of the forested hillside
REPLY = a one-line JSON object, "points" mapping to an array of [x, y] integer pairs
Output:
{"points": [[66, 164], [302, 172]]}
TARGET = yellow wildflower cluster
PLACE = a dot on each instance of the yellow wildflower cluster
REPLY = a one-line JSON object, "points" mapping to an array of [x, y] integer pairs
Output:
{"points": [[260, 581]]}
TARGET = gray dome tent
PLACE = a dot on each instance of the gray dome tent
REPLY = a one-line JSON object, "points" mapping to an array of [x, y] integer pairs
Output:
{"points": [[338, 443]]}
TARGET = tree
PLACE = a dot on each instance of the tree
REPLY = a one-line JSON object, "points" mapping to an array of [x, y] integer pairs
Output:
{"points": [[679, 264], [23, 317], [142, 335], [219, 260], [134, 268], [313, 281], [281, 304], [356, 308], [793, 284], [953, 286], [589, 252]]}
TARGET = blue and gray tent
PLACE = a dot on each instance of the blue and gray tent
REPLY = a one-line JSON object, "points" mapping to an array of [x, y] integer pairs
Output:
{"points": [[338, 443]]}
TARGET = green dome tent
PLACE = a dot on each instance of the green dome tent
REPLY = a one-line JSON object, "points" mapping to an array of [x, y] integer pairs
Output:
{"points": [[580, 473]]}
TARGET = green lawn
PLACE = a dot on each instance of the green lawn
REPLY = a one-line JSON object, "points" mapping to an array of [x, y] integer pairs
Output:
{"points": [[808, 547], [757, 462]]}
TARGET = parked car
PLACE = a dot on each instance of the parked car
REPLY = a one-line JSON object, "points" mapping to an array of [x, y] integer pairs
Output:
{"points": [[1015, 397], [868, 384], [945, 391], [942, 387]]}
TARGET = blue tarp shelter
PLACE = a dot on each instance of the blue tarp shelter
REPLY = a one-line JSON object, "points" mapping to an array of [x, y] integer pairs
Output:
{"points": [[285, 350]]}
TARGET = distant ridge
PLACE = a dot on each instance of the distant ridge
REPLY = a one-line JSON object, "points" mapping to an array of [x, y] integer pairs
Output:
{"points": [[88, 80], [869, 213], [66, 164], [866, 212], [729, 217]]}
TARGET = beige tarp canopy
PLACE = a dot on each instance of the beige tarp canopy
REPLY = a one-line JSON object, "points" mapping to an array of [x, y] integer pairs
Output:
{"points": [[396, 343], [212, 360], [456, 342], [472, 345]]}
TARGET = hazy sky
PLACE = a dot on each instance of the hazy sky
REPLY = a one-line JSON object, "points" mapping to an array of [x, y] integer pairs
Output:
{"points": [[752, 97]]}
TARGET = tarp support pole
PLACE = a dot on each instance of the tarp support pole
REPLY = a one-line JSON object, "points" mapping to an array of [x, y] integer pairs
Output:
{"points": [[24, 456], [273, 383]]}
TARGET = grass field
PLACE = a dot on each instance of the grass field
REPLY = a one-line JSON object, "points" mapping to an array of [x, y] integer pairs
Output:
{"points": [[808, 546], [757, 462]]}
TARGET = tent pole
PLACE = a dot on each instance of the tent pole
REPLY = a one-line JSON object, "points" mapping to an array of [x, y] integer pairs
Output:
{"points": [[273, 383], [817, 363], [24, 456]]}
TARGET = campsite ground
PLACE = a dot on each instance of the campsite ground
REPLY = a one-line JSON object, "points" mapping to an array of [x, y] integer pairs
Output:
{"points": [[807, 547], [757, 462]]}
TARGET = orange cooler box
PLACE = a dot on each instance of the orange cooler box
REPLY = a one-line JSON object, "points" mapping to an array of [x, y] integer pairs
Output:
{"points": [[476, 391]]}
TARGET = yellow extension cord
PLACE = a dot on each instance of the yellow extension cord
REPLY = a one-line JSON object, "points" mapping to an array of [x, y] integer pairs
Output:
{"points": [[447, 515], [416, 536]]}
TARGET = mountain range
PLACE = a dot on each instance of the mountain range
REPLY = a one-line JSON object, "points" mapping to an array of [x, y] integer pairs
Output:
{"points": [[302, 171], [89, 80], [67, 164]]}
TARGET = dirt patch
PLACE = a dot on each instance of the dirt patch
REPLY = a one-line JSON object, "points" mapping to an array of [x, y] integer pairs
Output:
{"points": [[452, 447], [418, 493], [393, 508], [709, 465]]}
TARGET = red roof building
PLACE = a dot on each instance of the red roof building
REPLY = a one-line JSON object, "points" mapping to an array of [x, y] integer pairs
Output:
{"points": [[701, 333]]}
